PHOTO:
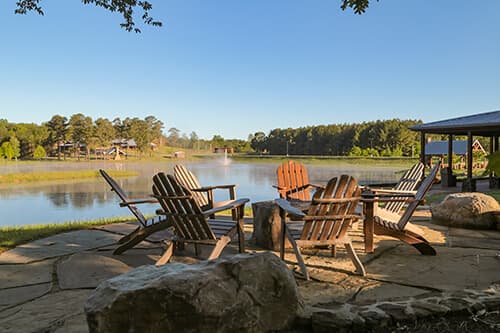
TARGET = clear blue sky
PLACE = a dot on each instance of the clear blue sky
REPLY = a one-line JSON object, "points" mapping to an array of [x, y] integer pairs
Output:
{"points": [[234, 67]]}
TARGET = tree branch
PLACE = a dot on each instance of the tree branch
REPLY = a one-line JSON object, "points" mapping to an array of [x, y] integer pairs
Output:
{"points": [[125, 7]]}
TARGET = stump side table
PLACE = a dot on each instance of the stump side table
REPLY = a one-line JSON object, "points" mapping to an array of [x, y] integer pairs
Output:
{"points": [[267, 225]]}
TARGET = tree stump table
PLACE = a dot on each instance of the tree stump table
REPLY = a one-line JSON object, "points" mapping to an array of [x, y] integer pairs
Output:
{"points": [[267, 225]]}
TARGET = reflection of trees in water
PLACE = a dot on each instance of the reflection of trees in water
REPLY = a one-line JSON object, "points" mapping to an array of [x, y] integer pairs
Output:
{"points": [[82, 199], [58, 199]]}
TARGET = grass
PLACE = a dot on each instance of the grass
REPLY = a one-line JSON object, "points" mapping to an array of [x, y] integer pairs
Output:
{"points": [[14, 178], [11, 237], [438, 197], [379, 161]]}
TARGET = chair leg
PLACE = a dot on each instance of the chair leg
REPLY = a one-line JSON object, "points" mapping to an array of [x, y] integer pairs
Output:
{"points": [[126, 238], [196, 250], [219, 246], [167, 254], [139, 235], [241, 236], [360, 269], [334, 251], [298, 255], [410, 238]]}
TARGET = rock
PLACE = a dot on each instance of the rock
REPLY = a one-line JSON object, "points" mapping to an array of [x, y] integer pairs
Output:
{"points": [[244, 293], [468, 210]]}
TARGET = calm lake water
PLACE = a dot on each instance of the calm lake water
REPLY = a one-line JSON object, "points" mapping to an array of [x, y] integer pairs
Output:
{"points": [[82, 200]]}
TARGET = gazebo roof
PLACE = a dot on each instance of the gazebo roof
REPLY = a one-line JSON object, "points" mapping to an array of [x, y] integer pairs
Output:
{"points": [[482, 124]]}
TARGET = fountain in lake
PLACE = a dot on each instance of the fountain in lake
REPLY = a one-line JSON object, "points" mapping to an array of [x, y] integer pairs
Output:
{"points": [[226, 161]]}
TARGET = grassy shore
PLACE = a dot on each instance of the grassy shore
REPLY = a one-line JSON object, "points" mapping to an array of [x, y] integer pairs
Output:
{"points": [[326, 160], [15, 178], [10, 237]]}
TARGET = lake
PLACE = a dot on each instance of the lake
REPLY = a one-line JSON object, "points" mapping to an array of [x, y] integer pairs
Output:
{"points": [[91, 199]]}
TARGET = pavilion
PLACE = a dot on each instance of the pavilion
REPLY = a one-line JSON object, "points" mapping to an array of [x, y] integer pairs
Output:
{"points": [[481, 124]]}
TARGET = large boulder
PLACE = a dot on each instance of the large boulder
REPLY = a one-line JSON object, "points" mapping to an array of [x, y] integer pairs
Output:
{"points": [[244, 293], [467, 210]]}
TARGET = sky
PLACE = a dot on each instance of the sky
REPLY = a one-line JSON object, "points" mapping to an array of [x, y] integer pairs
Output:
{"points": [[235, 67]]}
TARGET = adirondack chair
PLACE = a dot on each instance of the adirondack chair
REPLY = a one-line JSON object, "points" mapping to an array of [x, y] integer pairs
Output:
{"points": [[293, 182], [406, 185], [204, 195], [191, 223], [326, 222], [398, 226], [146, 226]]}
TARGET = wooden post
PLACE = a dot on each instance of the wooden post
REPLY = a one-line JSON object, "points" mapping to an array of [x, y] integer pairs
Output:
{"points": [[469, 156], [422, 147], [450, 154]]}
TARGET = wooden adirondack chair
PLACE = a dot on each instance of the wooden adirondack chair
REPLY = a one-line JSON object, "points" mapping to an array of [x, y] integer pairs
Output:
{"points": [[398, 226], [146, 226], [293, 182], [406, 185], [331, 212], [191, 223], [204, 195]]}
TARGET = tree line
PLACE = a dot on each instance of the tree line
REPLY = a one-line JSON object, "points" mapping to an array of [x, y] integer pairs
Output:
{"points": [[81, 132], [375, 138], [29, 140]]}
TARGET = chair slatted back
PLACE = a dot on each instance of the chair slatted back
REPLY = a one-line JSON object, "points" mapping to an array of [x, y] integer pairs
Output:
{"points": [[292, 176], [179, 202], [124, 197], [330, 220], [187, 179], [422, 191], [408, 182]]}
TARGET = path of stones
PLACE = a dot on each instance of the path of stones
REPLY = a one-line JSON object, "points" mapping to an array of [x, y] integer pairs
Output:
{"points": [[44, 284]]}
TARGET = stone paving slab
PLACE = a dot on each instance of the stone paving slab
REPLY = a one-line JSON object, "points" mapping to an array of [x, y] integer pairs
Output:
{"points": [[21, 275], [76, 324], [450, 269], [475, 242], [58, 245], [87, 270], [469, 233], [383, 291], [135, 257], [45, 313], [14, 296]]}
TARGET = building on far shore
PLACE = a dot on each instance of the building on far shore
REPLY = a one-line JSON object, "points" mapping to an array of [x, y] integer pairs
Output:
{"points": [[439, 149]]}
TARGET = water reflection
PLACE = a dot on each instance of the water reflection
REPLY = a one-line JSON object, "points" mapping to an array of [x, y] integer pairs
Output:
{"points": [[82, 200]]}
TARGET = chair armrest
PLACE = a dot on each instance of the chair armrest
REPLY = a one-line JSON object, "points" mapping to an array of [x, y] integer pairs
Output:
{"points": [[279, 187], [214, 187], [137, 201], [390, 191], [286, 206], [232, 205]]}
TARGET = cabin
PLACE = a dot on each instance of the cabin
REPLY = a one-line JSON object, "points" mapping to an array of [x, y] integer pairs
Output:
{"points": [[179, 154], [124, 143], [222, 150]]}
